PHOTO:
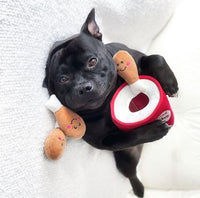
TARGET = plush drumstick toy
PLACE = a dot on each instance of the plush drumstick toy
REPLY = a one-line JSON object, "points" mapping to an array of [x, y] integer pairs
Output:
{"points": [[68, 124], [139, 101]]}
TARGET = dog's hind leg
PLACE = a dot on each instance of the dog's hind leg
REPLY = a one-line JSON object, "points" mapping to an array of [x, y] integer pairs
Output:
{"points": [[137, 186], [126, 162]]}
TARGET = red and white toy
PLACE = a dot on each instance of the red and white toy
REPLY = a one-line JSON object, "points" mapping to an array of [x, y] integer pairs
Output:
{"points": [[139, 101]]}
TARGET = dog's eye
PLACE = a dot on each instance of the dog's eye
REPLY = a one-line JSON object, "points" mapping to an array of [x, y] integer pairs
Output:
{"points": [[63, 79], [92, 62]]}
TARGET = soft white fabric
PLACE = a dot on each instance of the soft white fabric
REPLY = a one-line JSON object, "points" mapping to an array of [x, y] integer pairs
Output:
{"points": [[156, 193], [27, 31], [173, 163], [124, 97]]}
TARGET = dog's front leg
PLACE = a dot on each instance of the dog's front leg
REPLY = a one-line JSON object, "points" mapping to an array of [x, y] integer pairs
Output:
{"points": [[157, 67], [119, 140]]}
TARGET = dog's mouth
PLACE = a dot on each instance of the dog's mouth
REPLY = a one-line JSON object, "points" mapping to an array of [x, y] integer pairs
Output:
{"points": [[93, 100], [122, 69], [90, 104]]}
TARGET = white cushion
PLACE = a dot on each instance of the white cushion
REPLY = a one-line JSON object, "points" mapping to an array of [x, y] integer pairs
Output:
{"points": [[173, 163]]}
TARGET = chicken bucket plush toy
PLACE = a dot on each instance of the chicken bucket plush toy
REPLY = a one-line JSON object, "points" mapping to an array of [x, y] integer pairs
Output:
{"points": [[68, 124], [139, 101]]}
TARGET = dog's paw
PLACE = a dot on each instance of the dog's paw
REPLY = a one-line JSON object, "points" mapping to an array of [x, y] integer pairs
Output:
{"points": [[160, 131], [155, 131], [137, 186], [157, 67], [170, 86]]}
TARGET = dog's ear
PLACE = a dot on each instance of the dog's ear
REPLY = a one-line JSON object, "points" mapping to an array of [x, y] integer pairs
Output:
{"points": [[44, 84], [90, 26]]}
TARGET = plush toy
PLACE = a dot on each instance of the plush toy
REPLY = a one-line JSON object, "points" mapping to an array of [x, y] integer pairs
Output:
{"points": [[68, 124], [139, 101]]}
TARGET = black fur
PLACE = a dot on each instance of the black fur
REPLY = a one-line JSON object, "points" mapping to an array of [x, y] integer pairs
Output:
{"points": [[89, 90]]}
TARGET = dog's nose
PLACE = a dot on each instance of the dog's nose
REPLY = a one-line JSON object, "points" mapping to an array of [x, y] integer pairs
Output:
{"points": [[85, 89]]}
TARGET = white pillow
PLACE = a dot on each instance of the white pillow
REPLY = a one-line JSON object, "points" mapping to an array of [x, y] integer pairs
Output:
{"points": [[135, 23], [173, 163]]}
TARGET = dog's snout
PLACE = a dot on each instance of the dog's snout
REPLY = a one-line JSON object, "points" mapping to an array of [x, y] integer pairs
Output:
{"points": [[84, 89]]}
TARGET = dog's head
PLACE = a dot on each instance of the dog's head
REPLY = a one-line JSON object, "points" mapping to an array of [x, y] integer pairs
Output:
{"points": [[80, 71]]}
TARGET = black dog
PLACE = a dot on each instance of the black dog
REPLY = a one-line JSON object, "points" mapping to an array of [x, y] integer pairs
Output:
{"points": [[82, 74]]}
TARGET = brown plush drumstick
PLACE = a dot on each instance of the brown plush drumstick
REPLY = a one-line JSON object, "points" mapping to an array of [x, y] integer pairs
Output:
{"points": [[69, 122], [126, 66], [55, 144], [127, 69]]}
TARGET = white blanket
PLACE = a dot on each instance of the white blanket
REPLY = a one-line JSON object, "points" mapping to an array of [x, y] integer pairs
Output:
{"points": [[172, 164], [27, 31]]}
